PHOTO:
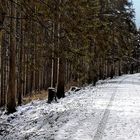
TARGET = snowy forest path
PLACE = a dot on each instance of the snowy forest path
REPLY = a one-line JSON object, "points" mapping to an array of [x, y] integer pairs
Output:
{"points": [[94, 125], [123, 119], [102, 124]]}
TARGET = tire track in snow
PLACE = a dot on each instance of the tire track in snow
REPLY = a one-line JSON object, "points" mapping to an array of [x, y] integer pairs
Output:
{"points": [[102, 124], [135, 88]]}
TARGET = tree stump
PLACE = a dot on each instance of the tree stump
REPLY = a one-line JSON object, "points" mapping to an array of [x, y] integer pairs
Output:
{"points": [[51, 95]]}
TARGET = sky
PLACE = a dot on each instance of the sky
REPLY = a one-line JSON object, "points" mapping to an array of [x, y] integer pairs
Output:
{"points": [[137, 10]]}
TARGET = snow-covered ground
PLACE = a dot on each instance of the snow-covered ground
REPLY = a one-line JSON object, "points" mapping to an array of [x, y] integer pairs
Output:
{"points": [[109, 111]]}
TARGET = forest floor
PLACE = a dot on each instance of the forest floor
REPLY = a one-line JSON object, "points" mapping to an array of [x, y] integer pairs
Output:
{"points": [[109, 111]]}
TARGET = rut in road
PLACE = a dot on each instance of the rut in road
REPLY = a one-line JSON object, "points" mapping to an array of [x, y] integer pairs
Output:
{"points": [[102, 124]]}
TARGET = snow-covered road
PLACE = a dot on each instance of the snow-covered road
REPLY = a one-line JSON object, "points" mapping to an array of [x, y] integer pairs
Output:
{"points": [[109, 111]]}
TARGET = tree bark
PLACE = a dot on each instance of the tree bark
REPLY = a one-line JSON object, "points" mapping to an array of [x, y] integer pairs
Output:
{"points": [[61, 79], [11, 97]]}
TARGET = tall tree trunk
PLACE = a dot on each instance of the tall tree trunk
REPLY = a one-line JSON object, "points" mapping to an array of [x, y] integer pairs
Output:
{"points": [[2, 69], [3, 48], [119, 67], [20, 90], [61, 79], [11, 97]]}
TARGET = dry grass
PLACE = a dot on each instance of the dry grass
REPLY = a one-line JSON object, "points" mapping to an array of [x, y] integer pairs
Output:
{"points": [[40, 95]]}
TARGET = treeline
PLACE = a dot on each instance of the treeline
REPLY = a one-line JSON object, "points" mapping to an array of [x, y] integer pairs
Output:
{"points": [[56, 42]]}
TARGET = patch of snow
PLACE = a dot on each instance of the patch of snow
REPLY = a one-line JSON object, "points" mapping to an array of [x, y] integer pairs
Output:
{"points": [[109, 111]]}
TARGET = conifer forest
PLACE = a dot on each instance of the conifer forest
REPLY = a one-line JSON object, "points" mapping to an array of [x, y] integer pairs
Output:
{"points": [[58, 43]]}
